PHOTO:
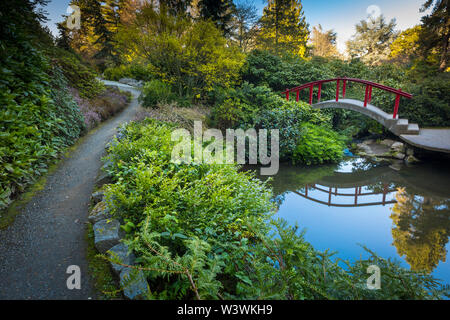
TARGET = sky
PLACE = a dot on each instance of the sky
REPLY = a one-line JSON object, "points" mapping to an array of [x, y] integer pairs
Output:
{"points": [[339, 15]]}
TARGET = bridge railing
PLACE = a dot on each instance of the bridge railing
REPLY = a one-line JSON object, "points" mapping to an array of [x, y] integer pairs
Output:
{"points": [[356, 195], [367, 98]]}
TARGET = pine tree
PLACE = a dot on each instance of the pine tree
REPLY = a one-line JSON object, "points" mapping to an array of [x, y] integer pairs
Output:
{"points": [[436, 30], [219, 11], [283, 27], [97, 30], [372, 40], [245, 18]]}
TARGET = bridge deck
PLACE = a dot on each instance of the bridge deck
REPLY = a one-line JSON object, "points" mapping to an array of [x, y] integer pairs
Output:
{"points": [[430, 139]]}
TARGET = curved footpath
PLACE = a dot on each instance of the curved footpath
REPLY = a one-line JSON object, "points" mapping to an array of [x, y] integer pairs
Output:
{"points": [[49, 233]]}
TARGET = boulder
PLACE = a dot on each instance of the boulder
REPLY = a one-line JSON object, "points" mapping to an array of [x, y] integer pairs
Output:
{"points": [[398, 155], [133, 283], [387, 142], [396, 165], [411, 159], [374, 150], [121, 252], [398, 147], [99, 212], [103, 178], [97, 197], [107, 234], [107, 165]]}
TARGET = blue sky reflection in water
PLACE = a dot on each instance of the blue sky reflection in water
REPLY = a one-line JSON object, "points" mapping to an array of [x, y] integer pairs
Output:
{"points": [[422, 219]]}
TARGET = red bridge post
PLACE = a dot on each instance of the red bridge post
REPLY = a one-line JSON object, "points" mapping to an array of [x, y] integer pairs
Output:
{"points": [[311, 94], [344, 88], [287, 94], [319, 94], [397, 103], [366, 96], [337, 90]]}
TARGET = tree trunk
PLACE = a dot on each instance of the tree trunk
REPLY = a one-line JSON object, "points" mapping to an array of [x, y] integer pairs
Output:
{"points": [[443, 62]]}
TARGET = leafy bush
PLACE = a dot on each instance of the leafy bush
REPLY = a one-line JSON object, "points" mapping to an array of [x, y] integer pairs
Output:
{"points": [[205, 232], [154, 92], [318, 145], [133, 71], [79, 75], [259, 107], [191, 55], [38, 118]]}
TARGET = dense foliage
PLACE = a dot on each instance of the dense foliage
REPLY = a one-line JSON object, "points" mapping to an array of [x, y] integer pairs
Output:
{"points": [[318, 145], [156, 91], [429, 107], [258, 107], [204, 231], [192, 56], [39, 117]]}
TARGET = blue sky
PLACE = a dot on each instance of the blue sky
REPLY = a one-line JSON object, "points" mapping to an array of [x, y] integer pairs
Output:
{"points": [[340, 15]]}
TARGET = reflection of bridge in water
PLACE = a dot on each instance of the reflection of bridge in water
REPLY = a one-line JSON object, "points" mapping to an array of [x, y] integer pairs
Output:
{"points": [[356, 195]]}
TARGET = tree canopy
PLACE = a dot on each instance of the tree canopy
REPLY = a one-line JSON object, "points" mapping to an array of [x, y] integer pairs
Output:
{"points": [[283, 27], [371, 42]]}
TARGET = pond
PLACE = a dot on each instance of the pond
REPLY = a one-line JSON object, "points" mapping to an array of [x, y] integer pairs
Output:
{"points": [[400, 214]]}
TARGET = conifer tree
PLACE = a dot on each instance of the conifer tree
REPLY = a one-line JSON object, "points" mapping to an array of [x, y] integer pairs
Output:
{"points": [[436, 30], [219, 11], [372, 40], [283, 27]]}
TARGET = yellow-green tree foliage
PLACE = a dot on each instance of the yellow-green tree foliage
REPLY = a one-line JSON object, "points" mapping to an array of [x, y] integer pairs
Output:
{"points": [[324, 43], [421, 231], [283, 27], [406, 45], [193, 56]]}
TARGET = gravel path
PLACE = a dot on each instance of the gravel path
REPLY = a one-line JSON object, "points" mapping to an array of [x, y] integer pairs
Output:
{"points": [[49, 233]]}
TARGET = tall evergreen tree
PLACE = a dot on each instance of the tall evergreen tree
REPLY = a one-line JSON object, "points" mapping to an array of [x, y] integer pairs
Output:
{"points": [[436, 30], [245, 18], [372, 40], [219, 11], [94, 24], [283, 27]]}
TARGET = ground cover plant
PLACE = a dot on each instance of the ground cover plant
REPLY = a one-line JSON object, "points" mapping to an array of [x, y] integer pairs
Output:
{"points": [[207, 231]]}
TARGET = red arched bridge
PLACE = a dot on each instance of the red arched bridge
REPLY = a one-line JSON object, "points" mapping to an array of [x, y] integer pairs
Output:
{"points": [[431, 139]]}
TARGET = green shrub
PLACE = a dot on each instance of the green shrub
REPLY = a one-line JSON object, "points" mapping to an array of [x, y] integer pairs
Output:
{"points": [[318, 145], [205, 232], [38, 118], [258, 107], [154, 92], [133, 71], [79, 75]]}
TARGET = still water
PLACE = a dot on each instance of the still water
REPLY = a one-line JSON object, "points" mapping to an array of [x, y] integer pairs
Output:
{"points": [[400, 214]]}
